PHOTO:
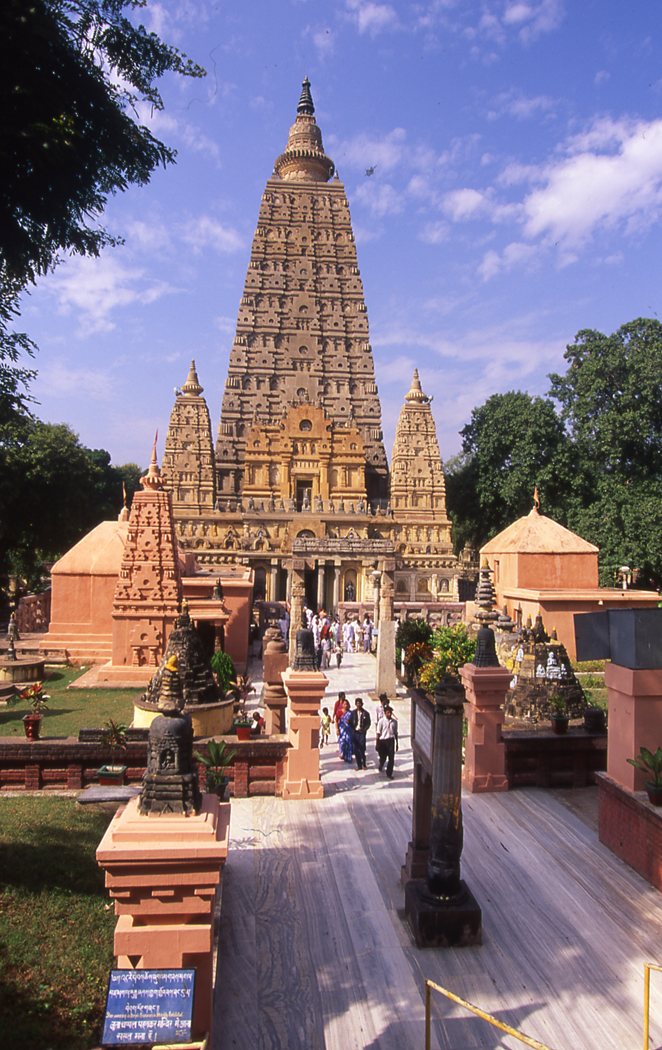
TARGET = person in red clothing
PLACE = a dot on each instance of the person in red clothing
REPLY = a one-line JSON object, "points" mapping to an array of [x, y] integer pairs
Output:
{"points": [[338, 712]]}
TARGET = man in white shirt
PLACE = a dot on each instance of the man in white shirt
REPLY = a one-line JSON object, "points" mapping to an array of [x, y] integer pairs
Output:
{"points": [[387, 740]]}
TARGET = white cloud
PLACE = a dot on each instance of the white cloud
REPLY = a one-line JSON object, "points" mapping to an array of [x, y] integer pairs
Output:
{"points": [[95, 288], [170, 128], [205, 232], [592, 189], [64, 380], [370, 17], [516, 104], [381, 198], [514, 254], [466, 204], [435, 232], [601, 77], [365, 151], [324, 40], [535, 19]]}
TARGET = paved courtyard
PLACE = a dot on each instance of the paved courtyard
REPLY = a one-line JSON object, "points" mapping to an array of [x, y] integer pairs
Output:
{"points": [[314, 951]]}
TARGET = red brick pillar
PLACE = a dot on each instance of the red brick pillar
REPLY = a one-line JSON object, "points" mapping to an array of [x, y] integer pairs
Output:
{"points": [[485, 754], [635, 720]]}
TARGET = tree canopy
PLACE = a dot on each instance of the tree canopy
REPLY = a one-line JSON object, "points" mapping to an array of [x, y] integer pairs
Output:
{"points": [[513, 443], [53, 490], [597, 463], [71, 74]]}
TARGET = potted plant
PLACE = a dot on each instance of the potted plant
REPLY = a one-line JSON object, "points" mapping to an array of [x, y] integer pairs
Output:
{"points": [[37, 700], [114, 737], [649, 763], [216, 763], [559, 717], [242, 687]]}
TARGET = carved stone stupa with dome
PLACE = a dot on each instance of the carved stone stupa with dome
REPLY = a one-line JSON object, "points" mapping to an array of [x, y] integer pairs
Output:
{"points": [[299, 467]]}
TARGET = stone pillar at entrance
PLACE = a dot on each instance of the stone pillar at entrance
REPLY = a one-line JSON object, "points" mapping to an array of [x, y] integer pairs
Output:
{"points": [[321, 568], [297, 602], [273, 585], [336, 587], [385, 678]]}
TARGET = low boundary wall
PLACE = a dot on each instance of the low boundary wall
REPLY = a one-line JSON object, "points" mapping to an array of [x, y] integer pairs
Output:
{"points": [[69, 764]]}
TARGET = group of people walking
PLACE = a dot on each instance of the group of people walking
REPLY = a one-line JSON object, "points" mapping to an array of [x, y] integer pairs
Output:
{"points": [[333, 638], [352, 725]]}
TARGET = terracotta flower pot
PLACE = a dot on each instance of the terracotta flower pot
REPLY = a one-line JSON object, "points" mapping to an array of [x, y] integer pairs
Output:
{"points": [[654, 793], [32, 725], [243, 732]]}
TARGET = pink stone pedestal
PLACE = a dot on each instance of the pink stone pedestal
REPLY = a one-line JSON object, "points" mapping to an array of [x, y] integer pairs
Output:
{"points": [[485, 753], [162, 872], [305, 690], [635, 720]]}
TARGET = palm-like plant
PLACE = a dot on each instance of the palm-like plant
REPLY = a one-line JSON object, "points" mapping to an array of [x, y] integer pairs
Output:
{"points": [[216, 763], [650, 763]]}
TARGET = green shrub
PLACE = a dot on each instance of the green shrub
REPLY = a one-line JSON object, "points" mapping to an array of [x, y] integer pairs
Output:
{"points": [[223, 668], [411, 631], [453, 647]]}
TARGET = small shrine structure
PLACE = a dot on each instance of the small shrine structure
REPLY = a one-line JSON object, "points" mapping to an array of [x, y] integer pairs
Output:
{"points": [[543, 569]]}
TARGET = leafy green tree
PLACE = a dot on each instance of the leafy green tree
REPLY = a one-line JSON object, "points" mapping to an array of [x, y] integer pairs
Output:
{"points": [[71, 75], [611, 401], [513, 443], [52, 492]]}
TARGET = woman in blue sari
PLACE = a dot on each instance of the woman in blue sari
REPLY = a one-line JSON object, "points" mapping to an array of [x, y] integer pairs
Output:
{"points": [[345, 734]]}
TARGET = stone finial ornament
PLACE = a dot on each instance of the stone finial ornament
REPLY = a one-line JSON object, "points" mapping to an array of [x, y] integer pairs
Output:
{"points": [[170, 782], [191, 387], [152, 479], [485, 655], [304, 659]]}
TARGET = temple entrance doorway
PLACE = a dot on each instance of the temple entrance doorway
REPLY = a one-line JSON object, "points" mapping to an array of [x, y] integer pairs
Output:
{"points": [[310, 584], [303, 485]]}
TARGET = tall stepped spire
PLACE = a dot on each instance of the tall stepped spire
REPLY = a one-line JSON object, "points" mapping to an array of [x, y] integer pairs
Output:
{"points": [[302, 330]]}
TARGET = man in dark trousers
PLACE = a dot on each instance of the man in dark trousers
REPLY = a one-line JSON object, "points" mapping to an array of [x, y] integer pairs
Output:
{"points": [[387, 740], [359, 721]]}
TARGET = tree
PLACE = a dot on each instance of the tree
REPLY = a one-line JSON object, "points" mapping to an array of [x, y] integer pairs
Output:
{"points": [[52, 492], [513, 443], [71, 73], [611, 400]]}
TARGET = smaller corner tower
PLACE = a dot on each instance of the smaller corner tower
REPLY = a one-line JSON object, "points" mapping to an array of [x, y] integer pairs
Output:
{"points": [[189, 469]]}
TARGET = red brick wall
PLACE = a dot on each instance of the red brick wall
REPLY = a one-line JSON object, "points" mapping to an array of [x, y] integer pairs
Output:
{"points": [[258, 767], [631, 828]]}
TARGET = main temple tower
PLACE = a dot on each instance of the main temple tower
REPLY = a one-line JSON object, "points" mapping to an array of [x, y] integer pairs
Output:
{"points": [[302, 331], [302, 492]]}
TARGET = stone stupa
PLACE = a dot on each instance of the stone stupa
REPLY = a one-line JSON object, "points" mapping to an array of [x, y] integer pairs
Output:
{"points": [[211, 713]]}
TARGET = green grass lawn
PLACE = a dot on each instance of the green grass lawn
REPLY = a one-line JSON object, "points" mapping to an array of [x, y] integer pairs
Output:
{"points": [[56, 925], [71, 709]]}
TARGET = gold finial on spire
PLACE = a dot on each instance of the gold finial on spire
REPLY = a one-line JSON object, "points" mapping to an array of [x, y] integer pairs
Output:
{"points": [[152, 479], [124, 513], [536, 499], [304, 159], [192, 386], [416, 391]]}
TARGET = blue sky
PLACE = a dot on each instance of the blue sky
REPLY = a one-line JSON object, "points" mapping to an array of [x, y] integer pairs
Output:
{"points": [[516, 199]]}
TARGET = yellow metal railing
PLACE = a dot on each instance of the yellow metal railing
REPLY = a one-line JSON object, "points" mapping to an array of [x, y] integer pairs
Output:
{"points": [[647, 996], [479, 1013]]}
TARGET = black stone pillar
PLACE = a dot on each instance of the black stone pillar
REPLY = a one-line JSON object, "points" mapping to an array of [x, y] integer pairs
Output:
{"points": [[441, 910]]}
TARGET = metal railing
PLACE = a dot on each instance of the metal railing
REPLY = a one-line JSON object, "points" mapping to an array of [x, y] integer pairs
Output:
{"points": [[647, 997], [480, 1013]]}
